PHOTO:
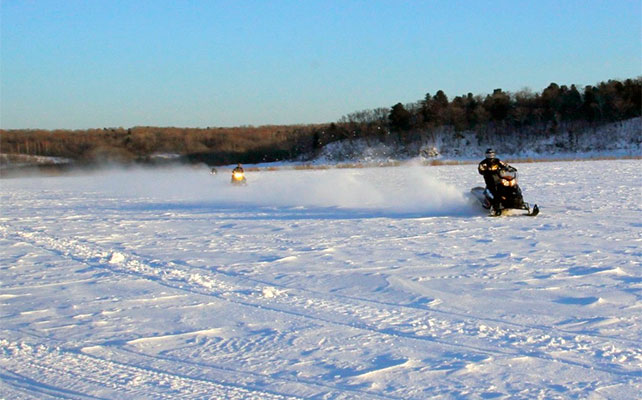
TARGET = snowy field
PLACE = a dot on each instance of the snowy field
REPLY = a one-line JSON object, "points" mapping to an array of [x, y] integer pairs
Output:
{"points": [[381, 283]]}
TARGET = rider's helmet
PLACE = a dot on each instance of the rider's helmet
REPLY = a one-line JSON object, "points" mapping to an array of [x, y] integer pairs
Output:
{"points": [[490, 153]]}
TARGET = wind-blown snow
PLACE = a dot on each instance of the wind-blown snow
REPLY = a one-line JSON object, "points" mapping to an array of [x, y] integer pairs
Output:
{"points": [[381, 283]]}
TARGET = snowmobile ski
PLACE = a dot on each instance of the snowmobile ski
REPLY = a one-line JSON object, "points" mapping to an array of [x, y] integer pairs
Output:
{"points": [[482, 196]]}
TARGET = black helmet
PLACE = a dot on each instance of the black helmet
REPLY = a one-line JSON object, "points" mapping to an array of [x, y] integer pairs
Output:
{"points": [[490, 153]]}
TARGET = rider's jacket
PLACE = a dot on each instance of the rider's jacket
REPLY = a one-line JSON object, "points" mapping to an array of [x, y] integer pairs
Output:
{"points": [[490, 169]]}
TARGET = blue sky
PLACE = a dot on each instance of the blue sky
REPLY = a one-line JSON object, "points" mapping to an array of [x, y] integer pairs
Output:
{"points": [[76, 64]]}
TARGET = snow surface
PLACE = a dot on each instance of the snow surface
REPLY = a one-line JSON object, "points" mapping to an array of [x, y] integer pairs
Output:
{"points": [[376, 283]]}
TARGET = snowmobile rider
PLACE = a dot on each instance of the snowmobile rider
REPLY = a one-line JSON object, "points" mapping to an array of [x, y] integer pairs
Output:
{"points": [[490, 168], [238, 175], [238, 169]]}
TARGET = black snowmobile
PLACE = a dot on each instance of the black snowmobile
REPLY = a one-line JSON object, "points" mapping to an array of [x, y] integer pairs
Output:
{"points": [[510, 195]]}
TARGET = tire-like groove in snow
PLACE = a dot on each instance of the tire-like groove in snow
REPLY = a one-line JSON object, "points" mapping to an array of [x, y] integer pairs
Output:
{"points": [[363, 314]]}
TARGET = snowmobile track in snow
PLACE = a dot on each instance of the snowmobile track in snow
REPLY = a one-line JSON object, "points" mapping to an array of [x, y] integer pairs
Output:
{"points": [[100, 374], [484, 336]]}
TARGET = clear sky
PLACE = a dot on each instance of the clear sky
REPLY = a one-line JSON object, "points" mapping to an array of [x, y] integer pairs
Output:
{"points": [[75, 64]]}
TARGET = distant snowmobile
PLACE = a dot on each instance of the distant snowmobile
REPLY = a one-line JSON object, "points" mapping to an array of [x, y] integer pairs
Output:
{"points": [[238, 178], [510, 195]]}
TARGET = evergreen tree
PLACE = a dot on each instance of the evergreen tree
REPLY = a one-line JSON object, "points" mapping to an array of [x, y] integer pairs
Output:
{"points": [[551, 101], [591, 108], [498, 105], [570, 103], [399, 117]]}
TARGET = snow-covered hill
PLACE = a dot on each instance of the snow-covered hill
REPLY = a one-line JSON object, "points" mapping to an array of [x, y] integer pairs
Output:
{"points": [[372, 283], [568, 141]]}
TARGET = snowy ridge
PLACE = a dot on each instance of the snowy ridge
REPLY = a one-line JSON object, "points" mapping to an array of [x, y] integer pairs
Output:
{"points": [[116, 292], [619, 139]]}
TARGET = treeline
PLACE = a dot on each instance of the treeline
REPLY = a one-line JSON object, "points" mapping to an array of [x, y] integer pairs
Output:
{"points": [[141, 144], [603, 103], [505, 112], [499, 114]]}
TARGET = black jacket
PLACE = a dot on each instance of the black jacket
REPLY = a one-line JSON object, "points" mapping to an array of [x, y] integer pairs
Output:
{"points": [[490, 169]]}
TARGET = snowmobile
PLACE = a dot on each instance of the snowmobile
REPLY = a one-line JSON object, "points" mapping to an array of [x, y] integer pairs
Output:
{"points": [[510, 195], [238, 178]]}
